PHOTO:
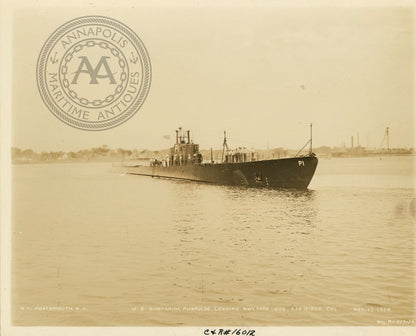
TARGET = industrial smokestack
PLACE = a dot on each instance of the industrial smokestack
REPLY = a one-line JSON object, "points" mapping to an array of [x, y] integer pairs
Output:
{"points": [[188, 132], [177, 136], [352, 141]]}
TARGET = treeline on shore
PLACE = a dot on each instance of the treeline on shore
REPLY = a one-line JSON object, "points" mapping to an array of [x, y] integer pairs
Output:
{"points": [[102, 153], [105, 153]]}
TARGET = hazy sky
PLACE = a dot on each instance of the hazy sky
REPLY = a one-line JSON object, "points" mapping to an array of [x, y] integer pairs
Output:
{"points": [[261, 73]]}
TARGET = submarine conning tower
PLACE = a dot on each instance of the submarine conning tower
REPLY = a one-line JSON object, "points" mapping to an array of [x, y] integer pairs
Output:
{"points": [[184, 152]]}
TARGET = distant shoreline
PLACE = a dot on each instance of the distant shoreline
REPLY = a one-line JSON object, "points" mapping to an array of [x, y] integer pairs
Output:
{"points": [[119, 160], [104, 160]]}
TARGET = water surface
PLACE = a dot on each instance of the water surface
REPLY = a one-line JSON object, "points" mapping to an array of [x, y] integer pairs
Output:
{"points": [[92, 247]]}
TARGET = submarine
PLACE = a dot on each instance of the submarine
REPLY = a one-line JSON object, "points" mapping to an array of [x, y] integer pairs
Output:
{"points": [[238, 167]]}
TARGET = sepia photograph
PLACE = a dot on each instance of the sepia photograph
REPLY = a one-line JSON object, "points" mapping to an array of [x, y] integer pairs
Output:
{"points": [[208, 167]]}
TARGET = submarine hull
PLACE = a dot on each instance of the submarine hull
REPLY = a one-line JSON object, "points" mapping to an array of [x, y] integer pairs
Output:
{"points": [[276, 173]]}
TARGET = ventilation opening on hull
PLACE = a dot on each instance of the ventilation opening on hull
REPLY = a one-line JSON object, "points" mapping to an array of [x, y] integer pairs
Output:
{"points": [[258, 177]]}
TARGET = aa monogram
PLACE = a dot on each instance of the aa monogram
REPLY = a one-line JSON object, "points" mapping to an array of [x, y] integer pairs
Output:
{"points": [[94, 73]]}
